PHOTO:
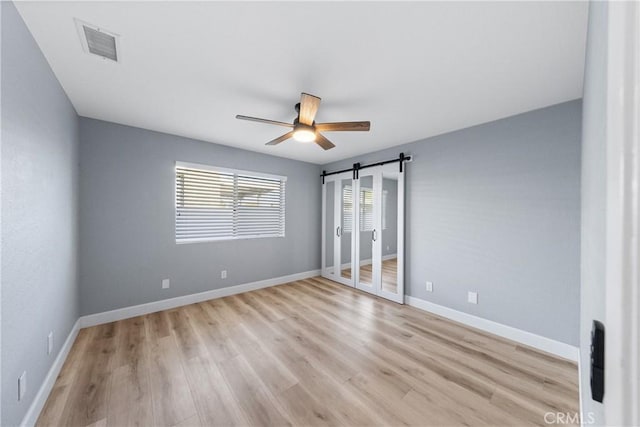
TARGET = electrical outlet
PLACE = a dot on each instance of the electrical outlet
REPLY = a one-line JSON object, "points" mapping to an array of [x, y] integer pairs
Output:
{"points": [[429, 286], [223, 274], [22, 385], [472, 297], [166, 283], [50, 342], [387, 248]]}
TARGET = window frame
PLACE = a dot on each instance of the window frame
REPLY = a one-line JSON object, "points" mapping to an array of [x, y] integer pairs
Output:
{"points": [[236, 172]]}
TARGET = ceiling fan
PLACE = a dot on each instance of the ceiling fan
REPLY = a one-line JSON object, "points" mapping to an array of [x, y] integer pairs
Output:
{"points": [[305, 129]]}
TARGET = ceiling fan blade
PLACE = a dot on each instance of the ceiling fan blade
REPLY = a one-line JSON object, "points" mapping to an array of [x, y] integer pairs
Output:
{"points": [[343, 126], [324, 142], [279, 139], [270, 122], [308, 108]]}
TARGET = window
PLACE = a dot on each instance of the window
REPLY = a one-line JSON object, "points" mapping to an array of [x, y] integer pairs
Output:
{"points": [[222, 204], [366, 209]]}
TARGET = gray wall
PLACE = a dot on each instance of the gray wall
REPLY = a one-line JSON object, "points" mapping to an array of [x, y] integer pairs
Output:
{"points": [[39, 214], [495, 209], [127, 219], [594, 198]]}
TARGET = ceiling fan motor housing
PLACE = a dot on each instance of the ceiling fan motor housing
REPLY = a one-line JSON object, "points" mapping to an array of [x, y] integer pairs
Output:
{"points": [[302, 126]]}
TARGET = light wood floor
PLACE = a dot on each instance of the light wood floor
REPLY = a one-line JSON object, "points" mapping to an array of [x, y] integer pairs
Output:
{"points": [[389, 274], [311, 352]]}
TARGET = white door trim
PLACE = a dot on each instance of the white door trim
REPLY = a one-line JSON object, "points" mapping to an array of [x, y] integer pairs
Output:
{"points": [[622, 327], [337, 227], [401, 231], [376, 232], [323, 236]]}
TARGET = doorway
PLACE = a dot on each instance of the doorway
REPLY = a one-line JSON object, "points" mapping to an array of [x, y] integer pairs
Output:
{"points": [[363, 230]]}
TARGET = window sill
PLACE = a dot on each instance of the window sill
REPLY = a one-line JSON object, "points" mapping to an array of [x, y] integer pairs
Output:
{"points": [[225, 239]]}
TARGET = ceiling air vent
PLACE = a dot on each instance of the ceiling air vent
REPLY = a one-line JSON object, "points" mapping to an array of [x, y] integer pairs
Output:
{"points": [[98, 41]]}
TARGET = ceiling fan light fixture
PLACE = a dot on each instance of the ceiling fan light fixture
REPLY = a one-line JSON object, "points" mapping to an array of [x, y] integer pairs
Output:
{"points": [[304, 135], [304, 127]]}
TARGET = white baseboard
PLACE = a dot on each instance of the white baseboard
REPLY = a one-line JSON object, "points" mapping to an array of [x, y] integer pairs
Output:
{"points": [[560, 349], [37, 405], [580, 391], [166, 304]]}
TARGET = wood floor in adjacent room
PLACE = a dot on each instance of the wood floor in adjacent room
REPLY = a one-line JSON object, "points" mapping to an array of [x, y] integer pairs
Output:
{"points": [[311, 352]]}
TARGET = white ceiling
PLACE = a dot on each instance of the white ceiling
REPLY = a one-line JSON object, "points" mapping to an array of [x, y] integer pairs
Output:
{"points": [[413, 69]]}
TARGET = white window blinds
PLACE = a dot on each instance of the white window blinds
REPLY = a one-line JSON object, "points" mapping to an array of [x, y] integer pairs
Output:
{"points": [[221, 204], [347, 209], [366, 209]]}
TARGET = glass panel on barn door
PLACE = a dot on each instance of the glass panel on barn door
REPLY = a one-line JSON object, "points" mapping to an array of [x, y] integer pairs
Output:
{"points": [[366, 229], [389, 233], [330, 228]]}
